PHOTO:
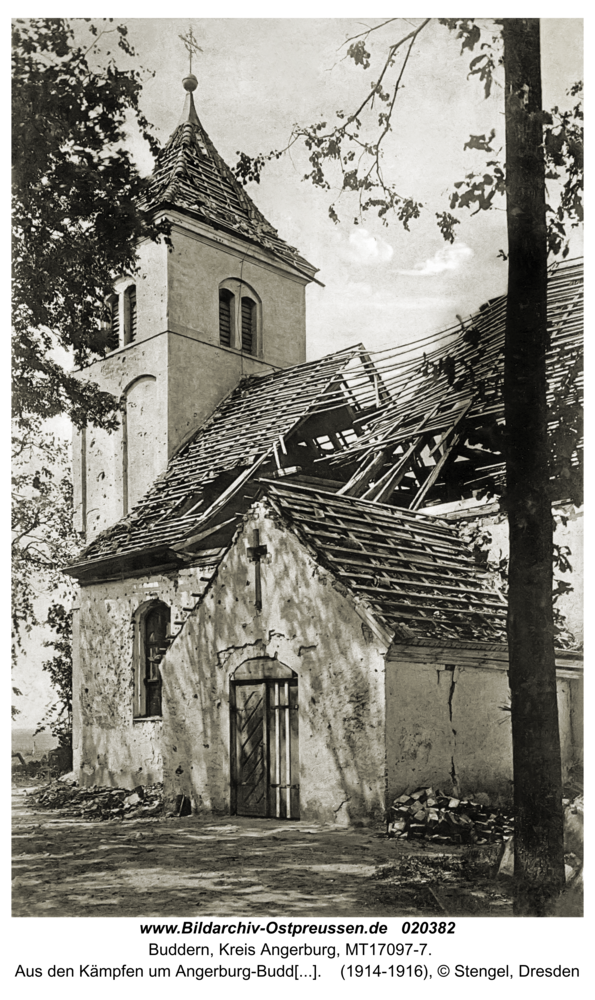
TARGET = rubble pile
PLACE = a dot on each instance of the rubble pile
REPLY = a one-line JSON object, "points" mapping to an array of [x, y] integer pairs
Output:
{"points": [[100, 802], [429, 814]]}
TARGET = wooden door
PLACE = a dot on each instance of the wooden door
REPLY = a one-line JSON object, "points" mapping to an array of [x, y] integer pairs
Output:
{"points": [[264, 745]]}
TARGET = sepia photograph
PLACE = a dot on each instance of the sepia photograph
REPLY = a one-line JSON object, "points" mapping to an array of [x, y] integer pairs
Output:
{"points": [[297, 483]]}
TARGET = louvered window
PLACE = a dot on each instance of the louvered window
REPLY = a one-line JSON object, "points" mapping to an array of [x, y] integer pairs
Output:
{"points": [[132, 302], [114, 340], [225, 311], [248, 331], [130, 314]]}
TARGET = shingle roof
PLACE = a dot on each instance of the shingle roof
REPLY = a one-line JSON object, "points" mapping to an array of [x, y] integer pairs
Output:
{"points": [[191, 176], [244, 429], [416, 576]]}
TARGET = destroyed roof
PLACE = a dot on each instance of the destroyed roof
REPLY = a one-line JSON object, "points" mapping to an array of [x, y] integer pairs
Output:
{"points": [[411, 570], [435, 429], [191, 176], [407, 432], [245, 429]]}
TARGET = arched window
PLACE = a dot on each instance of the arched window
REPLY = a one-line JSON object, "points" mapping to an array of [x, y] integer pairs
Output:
{"points": [[225, 317], [122, 318], [114, 322], [130, 314], [248, 325], [152, 640]]}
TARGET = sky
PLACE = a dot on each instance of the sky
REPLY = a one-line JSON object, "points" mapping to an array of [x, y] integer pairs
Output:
{"points": [[257, 77], [382, 285]]}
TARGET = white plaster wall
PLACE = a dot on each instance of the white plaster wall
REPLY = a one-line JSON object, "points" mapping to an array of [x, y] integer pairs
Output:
{"points": [[151, 290], [309, 625], [104, 458], [196, 268], [110, 746], [449, 728], [200, 376], [143, 460]]}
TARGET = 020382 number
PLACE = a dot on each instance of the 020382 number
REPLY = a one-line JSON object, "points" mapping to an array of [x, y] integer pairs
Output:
{"points": [[428, 927]]}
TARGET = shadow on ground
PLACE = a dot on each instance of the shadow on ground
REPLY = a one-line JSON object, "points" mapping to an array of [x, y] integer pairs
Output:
{"points": [[67, 867]]}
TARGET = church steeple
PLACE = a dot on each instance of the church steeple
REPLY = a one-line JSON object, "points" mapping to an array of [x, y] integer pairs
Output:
{"points": [[223, 299], [193, 178]]}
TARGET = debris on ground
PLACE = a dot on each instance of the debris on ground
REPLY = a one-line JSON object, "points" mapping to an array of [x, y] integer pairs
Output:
{"points": [[457, 885], [430, 814], [98, 801]]}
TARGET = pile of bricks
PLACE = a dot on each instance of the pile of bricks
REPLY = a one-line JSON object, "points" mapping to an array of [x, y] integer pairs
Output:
{"points": [[100, 802], [429, 814]]}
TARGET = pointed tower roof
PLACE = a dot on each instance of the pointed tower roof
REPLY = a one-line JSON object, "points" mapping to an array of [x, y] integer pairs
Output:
{"points": [[191, 177]]}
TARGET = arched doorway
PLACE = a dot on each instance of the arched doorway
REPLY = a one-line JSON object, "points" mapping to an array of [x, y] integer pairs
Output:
{"points": [[264, 740]]}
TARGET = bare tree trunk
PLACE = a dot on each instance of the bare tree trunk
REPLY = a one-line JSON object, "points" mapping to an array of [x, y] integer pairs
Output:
{"points": [[539, 850]]}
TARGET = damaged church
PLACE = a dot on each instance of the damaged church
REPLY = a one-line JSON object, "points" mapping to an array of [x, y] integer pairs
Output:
{"points": [[278, 612]]}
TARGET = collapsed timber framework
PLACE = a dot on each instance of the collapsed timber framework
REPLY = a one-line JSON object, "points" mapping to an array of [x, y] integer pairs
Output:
{"points": [[409, 427]]}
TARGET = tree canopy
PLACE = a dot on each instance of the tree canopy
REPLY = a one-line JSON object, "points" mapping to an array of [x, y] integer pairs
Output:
{"points": [[76, 221], [76, 227], [346, 150]]}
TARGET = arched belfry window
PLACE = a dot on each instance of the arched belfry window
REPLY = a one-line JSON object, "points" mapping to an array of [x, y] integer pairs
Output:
{"points": [[152, 637], [114, 322], [240, 317], [225, 317], [122, 317], [130, 315], [248, 325]]}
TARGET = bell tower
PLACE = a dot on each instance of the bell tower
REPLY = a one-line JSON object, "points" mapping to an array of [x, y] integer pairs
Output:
{"points": [[226, 300]]}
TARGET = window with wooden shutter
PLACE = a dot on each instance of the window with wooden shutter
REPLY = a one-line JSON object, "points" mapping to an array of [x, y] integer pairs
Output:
{"points": [[130, 319], [132, 313], [114, 339], [225, 312], [248, 331]]}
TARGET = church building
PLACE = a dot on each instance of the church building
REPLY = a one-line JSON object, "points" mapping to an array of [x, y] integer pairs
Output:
{"points": [[277, 615]]}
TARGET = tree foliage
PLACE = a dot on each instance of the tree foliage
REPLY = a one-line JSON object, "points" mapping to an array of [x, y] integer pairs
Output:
{"points": [[43, 537], [354, 141], [59, 668], [77, 223]]}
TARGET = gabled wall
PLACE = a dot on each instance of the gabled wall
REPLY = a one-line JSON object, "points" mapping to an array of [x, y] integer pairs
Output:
{"points": [[310, 626]]}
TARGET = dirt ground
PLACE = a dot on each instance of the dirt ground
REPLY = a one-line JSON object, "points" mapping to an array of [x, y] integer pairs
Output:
{"points": [[68, 867]]}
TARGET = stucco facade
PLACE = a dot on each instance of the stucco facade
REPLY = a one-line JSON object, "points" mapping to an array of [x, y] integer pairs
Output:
{"points": [[340, 674], [448, 719], [110, 745], [373, 720]]}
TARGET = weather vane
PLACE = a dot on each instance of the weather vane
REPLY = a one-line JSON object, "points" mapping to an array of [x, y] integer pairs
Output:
{"points": [[190, 44]]}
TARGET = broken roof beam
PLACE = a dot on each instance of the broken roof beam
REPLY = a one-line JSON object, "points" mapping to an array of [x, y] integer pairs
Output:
{"points": [[387, 484], [457, 433]]}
